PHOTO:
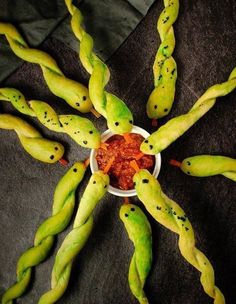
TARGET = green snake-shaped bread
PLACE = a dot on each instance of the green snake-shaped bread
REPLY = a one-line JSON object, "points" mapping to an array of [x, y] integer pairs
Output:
{"points": [[74, 93], [165, 69], [177, 126], [119, 118], [76, 239], [140, 233], [62, 210], [209, 165], [80, 129], [169, 214], [40, 148]]}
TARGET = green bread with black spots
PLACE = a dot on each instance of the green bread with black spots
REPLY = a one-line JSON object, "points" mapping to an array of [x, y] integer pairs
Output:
{"points": [[169, 214], [177, 126], [77, 238], [164, 69], [74, 93], [140, 233], [119, 117], [63, 207], [209, 165], [81, 130], [40, 148], [17, 99]]}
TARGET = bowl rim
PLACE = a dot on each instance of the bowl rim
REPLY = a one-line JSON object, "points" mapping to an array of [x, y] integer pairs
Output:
{"points": [[94, 166]]}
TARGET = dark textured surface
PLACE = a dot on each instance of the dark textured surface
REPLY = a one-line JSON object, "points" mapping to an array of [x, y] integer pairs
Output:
{"points": [[205, 54]]}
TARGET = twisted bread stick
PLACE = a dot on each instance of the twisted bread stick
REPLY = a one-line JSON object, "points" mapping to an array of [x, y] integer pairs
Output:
{"points": [[165, 69], [140, 233], [209, 165], [77, 238], [169, 214], [82, 130], [119, 118], [32, 141], [74, 93], [177, 126], [63, 206]]}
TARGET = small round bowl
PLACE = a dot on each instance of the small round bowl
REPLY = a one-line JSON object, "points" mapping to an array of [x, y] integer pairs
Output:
{"points": [[94, 166]]}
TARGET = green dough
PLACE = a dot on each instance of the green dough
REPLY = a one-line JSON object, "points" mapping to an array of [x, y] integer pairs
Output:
{"points": [[40, 148], [177, 126], [140, 233], [165, 69], [76, 239], [74, 93], [63, 207], [172, 216], [119, 117], [209, 165]]}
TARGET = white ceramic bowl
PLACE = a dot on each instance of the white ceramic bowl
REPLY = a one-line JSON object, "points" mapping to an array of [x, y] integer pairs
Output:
{"points": [[94, 166]]}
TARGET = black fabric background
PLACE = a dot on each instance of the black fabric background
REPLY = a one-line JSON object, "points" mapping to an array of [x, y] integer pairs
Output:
{"points": [[205, 53]]}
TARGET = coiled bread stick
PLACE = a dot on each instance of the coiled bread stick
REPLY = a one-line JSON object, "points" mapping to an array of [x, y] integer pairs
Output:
{"points": [[80, 129], [140, 233], [74, 93], [77, 238], [169, 214], [119, 117], [177, 126], [40, 148], [63, 207], [164, 69]]}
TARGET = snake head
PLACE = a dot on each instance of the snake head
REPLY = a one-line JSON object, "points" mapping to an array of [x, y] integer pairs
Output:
{"points": [[119, 117], [149, 146], [98, 184], [146, 185]]}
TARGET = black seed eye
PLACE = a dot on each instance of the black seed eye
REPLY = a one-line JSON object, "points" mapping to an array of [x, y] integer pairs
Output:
{"points": [[126, 215], [165, 110], [84, 97], [146, 141], [116, 123], [77, 103], [52, 156], [131, 122], [150, 146], [132, 209], [145, 181], [105, 186], [75, 170], [188, 163], [56, 148], [94, 182], [85, 142], [90, 132], [155, 107]]}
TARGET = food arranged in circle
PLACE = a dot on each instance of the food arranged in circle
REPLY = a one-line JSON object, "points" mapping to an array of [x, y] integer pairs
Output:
{"points": [[126, 160]]}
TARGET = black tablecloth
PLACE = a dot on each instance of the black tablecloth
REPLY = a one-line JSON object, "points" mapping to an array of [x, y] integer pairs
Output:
{"points": [[205, 53]]}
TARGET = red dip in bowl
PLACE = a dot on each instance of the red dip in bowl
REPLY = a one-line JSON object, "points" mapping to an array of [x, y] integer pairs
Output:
{"points": [[121, 173]]}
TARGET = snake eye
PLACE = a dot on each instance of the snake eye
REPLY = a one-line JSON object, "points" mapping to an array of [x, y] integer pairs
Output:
{"points": [[150, 146], [117, 124], [145, 181], [84, 98], [188, 163], [188, 172], [146, 141], [126, 215], [132, 209], [77, 103], [94, 182], [75, 170], [52, 157], [155, 107]]}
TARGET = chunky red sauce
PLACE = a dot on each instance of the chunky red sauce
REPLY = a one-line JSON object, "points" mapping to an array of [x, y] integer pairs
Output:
{"points": [[121, 173]]}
